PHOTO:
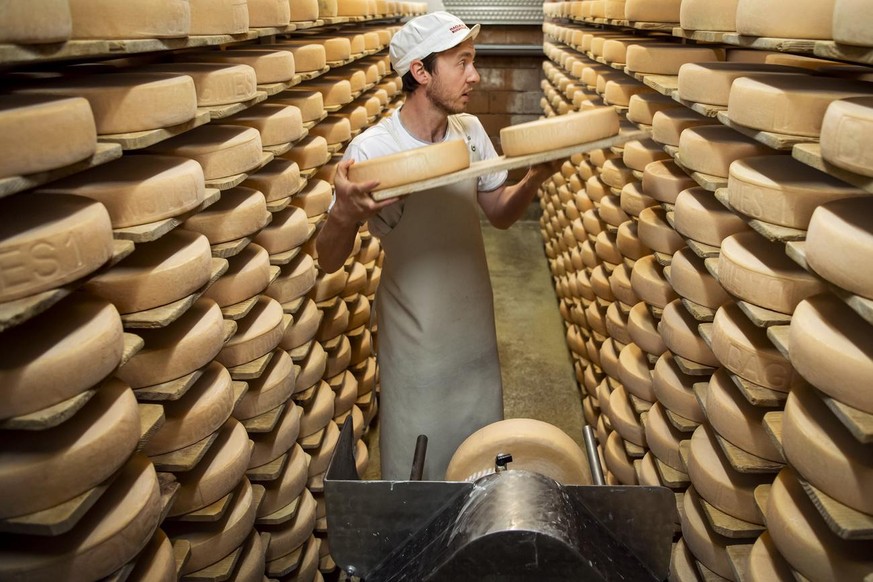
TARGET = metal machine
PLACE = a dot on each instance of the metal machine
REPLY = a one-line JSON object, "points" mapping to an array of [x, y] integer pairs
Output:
{"points": [[512, 525]]}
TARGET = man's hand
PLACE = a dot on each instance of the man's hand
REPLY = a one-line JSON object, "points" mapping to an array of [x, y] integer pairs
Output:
{"points": [[353, 203], [539, 173]]}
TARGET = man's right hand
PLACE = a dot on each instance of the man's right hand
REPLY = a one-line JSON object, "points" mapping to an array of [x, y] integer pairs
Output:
{"points": [[354, 205]]}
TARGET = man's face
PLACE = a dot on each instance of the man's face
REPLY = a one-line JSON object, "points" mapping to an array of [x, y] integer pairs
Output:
{"points": [[453, 78]]}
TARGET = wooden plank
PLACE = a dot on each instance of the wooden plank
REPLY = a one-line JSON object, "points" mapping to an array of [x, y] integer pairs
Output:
{"points": [[746, 462], [182, 553], [209, 514], [727, 525], [704, 330], [810, 154], [50, 416], [312, 441], [704, 251], [762, 495], [699, 312], [773, 427], [843, 52], [230, 248], [282, 515], [253, 369], [738, 556], [171, 390], [103, 154], [759, 395], [138, 140], [703, 109], [132, 345], [501, 163], [786, 45], [763, 317], [859, 423], [712, 36], [184, 459], [692, 368], [239, 310], [155, 230], [777, 141], [778, 335], [151, 418], [707, 574], [848, 523], [58, 519], [265, 422], [286, 564], [634, 451], [219, 571], [705, 181], [671, 477], [772, 232]]}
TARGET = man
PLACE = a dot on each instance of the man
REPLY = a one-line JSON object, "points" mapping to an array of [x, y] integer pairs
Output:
{"points": [[439, 367]]}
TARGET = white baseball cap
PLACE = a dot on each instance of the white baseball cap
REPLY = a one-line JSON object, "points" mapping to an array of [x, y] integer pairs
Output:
{"points": [[432, 33]]}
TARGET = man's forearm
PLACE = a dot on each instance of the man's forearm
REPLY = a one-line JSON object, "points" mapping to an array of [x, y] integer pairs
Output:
{"points": [[334, 243]]}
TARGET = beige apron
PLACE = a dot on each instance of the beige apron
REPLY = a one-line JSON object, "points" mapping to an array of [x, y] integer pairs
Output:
{"points": [[439, 368]]}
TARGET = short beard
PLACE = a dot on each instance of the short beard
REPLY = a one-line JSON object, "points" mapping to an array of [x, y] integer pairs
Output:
{"points": [[433, 95]]}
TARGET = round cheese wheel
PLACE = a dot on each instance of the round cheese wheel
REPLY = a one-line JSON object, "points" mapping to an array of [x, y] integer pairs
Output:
{"points": [[322, 455], [708, 547], [711, 83], [535, 446], [335, 92], [612, 214], [624, 419], [618, 91], [334, 129], [310, 103], [820, 448], [170, 352], [620, 285], [56, 462], [130, 102], [635, 373], [271, 66], [52, 132], [629, 244], [269, 446], [271, 389], [112, 533], [48, 240], [329, 285], [413, 165], [633, 200], [791, 104], [105, 19], [646, 11], [710, 149], [766, 564], [138, 189], [239, 213], [156, 273], [700, 217], [692, 281], [679, 330], [310, 152], [664, 180], [315, 198], [247, 276], [305, 10], [218, 17], [845, 124], [643, 330], [250, 567], [674, 389], [656, 233], [318, 412], [756, 19], [359, 312], [616, 324], [609, 352], [717, 482], [745, 350], [640, 153], [258, 333], [642, 107], [215, 83], [666, 59], [805, 540], [25, 25], [334, 321], [263, 13], [647, 472], [682, 566], [736, 419], [668, 124], [217, 473], [830, 346], [708, 15], [346, 393], [559, 131], [307, 319], [222, 150], [616, 174], [663, 438], [844, 225], [277, 180], [759, 271], [289, 229], [281, 491], [278, 124], [58, 355], [287, 537], [649, 283], [617, 460], [156, 561], [848, 17], [311, 369], [338, 358], [200, 412], [294, 281]]}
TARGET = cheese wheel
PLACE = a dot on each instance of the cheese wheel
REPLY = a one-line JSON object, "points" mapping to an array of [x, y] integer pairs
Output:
{"points": [[353, 8], [106, 19], [711, 83], [623, 418], [271, 389], [766, 564], [648, 11], [699, 216], [604, 244], [635, 374], [156, 273], [846, 124], [745, 350], [347, 392], [257, 334], [289, 536], [708, 547], [656, 233], [647, 472], [559, 131], [334, 129], [691, 280], [48, 240], [356, 115], [616, 324], [217, 473], [617, 460], [215, 83], [642, 328], [791, 104], [608, 354], [845, 223], [309, 57], [138, 189], [278, 124], [639, 154], [663, 438], [112, 533], [50, 132], [130, 102], [304, 10], [318, 411], [619, 91], [218, 17], [263, 13], [759, 271], [356, 79], [222, 150], [248, 275], [322, 455], [338, 358], [170, 352], [58, 354], [315, 199], [328, 285], [268, 446], [620, 285], [642, 107], [334, 92], [359, 312], [633, 200], [294, 281], [668, 124], [666, 59], [277, 180], [649, 283], [334, 321], [240, 212], [708, 15], [156, 561], [755, 18], [679, 330], [848, 18], [614, 49], [829, 347], [271, 66], [616, 174], [535, 446], [413, 165], [22, 25], [630, 245], [822, 450], [310, 152], [281, 491], [312, 368], [288, 230], [735, 419], [56, 462], [718, 483], [675, 389], [664, 180], [250, 567], [306, 322], [805, 540], [711, 149]]}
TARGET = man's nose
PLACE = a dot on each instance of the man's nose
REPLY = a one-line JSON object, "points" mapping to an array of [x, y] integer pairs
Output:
{"points": [[473, 76]]}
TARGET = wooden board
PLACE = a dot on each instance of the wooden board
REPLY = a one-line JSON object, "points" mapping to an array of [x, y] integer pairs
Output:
{"points": [[704, 251], [773, 427], [788, 45], [51, 416], [151, 418], [286, 564], [210, 513], [759, 395], [230, 248], [251, 370], [239, 310], [843, 52], [713, 36], [501, 163], [171, 390], [777, 141], [154, 230], [692, 368], [282, 515], [705, 181], [184, 459], [859, 423], [772, 232], [762, 317], [738, 555], [699, 312], [219, 571], [848, 523], [105, 153], [265, 422], [810, 154], [681, 423], [778, 336], [138, 140], [727, 525], [670, 477]]}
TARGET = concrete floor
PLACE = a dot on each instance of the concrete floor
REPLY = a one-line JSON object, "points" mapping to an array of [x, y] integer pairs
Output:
{"points": [[537, 372]]}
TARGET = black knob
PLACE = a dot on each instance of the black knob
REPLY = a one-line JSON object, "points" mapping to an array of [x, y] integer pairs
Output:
{"points": [[502, 460]]}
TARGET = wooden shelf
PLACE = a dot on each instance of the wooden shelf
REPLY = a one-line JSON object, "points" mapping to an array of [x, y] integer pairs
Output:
{"points": [[778, 335], [184, 459], [759, 395], [171, 390], [848, 523], [810, 154], [705, 181], [727, 525], [282, 515], [155, 230], [772, 232], [142, 139], [251, 370], [785, 45], [51, 416], [268, 471], [828, 49], [777, 141]]}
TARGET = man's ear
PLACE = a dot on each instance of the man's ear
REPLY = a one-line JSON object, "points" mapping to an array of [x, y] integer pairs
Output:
{"points": [[419, 73]]}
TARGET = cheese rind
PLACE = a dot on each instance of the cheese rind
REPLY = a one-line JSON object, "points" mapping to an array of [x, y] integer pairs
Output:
{"points": [[106, 19], [668, 124], [222, 150], [647, 11], [664, 180], [215, 83], [711, 149], [413, 165], [692, 281], [559, 131], [736, 420], [258, 333], [674, 389], [265, 13], [849, 21], [755, 18], [248, 274], [666, 59], [649, 283], [271, 66], [766, 564], [679, 329], [277, 180], [699, 216], [278, 124], [642, 327], [240, 212], [219, 16], [708, 547], [844, 131], [23, 24], [838, 244], [269, 446], [708, 15]]}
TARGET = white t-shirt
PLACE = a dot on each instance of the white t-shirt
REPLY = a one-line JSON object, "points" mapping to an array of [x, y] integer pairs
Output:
{"points": [[390, 137]]}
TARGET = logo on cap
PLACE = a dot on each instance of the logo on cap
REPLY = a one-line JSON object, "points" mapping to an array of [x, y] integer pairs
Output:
{"points": [[458, 27]]}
